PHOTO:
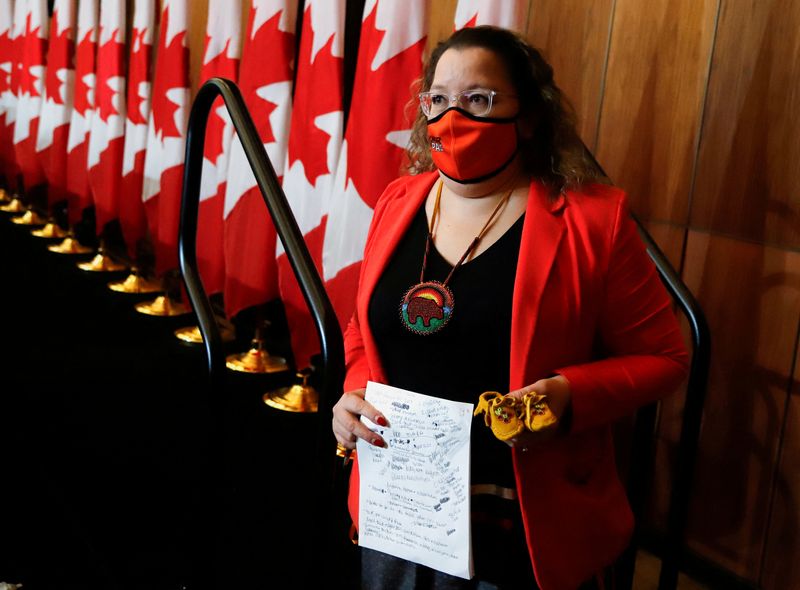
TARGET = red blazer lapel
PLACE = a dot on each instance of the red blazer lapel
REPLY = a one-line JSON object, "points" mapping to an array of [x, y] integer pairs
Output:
{"points": [[397, 216], [541, 235]]}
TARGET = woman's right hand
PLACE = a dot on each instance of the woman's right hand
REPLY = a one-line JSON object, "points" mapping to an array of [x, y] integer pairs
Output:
{"points": [[347, 426]]}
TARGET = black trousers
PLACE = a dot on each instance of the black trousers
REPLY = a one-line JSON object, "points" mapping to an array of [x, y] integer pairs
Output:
{"points": [[380, 571]]}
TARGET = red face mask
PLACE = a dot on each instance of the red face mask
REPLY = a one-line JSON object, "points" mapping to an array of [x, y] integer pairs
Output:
{"points": [[469, 149]]}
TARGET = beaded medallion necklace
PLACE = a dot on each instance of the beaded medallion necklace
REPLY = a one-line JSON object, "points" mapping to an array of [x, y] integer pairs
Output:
{"points": [[428, 306]]}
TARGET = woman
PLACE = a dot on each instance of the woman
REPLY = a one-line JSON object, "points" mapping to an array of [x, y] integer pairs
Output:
{"points": [[547, 288]]}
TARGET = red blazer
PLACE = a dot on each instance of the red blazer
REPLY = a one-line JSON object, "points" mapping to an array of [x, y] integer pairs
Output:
{"points": [[588, 304]]}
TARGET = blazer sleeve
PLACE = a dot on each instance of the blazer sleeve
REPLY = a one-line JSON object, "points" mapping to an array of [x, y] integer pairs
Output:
{"points": [[644, 354], [355, 359]]}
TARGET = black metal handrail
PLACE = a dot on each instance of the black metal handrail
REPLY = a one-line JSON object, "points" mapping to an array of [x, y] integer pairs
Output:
{"points": [[330, 369], [642, 452], [692, 412]]}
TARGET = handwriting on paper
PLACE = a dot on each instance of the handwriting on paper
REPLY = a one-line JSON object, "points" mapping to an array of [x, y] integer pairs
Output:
{"points": [[414, 493]]}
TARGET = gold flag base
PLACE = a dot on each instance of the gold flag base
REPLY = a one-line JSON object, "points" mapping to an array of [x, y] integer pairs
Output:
{"points": [[30, 218], [51, 230], [4, 198], [70, 246], [162, 306], [256, 360], [300, 397], [15, 206], [192, 335], [135, 283], [101, 263]]}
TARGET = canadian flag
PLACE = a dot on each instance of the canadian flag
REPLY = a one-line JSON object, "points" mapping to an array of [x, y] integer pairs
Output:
{"points": [[8, 99], [107, 135], [57, 107], [31, 89], [132, 218], [393, 37], [509, 14], [266, 84], [166, 135], [80, 123], [315, 141], [221, 59]]}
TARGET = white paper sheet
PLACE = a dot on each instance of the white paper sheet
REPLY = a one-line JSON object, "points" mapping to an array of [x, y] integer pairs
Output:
{"points": [[414, 494]]}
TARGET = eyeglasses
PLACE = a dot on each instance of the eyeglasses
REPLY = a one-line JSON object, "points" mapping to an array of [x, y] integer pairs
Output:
{"points": [[477, 101]]}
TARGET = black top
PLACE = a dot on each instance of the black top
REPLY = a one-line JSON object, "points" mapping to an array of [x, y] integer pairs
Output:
{"points": [[467, 356]]}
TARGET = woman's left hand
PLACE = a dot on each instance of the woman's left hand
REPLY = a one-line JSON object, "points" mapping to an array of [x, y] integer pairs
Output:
{"points": [[558, 398]]}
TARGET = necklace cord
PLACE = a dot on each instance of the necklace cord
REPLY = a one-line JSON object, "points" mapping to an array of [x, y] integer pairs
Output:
{"points": [[473, 244]]}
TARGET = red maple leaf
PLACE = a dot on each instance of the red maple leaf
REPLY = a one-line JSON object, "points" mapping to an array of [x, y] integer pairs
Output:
{"points": [[318, 91], [256, 72], [109, 65], [171, 72], [59, 59], [6, 49], [84, 66], [138, 72], [372, 161], [224, 67], [33, 54]]}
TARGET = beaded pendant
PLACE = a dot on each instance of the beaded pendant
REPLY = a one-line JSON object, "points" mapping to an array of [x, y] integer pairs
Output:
{"points": [[426, 307]]}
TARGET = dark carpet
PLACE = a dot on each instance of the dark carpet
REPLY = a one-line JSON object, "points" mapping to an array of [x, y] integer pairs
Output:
{"points": [[120, 469]]}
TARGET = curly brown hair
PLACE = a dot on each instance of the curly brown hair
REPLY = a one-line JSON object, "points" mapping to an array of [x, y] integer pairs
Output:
{"points": [[554, 153]]}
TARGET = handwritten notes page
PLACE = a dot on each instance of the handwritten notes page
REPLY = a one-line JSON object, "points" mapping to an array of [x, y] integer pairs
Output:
{"points": [[414, 493]]}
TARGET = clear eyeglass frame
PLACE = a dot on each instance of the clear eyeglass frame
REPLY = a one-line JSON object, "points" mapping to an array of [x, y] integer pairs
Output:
{"points": [[476, 101]]}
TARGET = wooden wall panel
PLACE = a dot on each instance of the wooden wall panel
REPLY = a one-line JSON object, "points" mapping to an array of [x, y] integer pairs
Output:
{"points": [[652, 105], [748, 180], [751, 298], [198, 17], [669, 238], [781, 566], [573, 35], [440, 26], [196, 34]]}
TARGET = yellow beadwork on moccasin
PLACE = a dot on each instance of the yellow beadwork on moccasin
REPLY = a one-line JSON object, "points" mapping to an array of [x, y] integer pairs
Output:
{"points": [[508, 416], [507, 419], [538, 415], [503, 414]]}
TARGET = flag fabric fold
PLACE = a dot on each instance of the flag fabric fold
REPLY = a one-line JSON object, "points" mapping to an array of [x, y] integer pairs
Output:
{"points": [[221, 59], [315, 141], [53, 134], [266, 84], [32, 64], [78, 195], [166, 135], [509, 14], [8, 98], [132, 220], [107, 133], [393, 38]]}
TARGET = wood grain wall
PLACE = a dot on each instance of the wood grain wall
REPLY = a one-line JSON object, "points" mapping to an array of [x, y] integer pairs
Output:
{"points": [[690, 106]]}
